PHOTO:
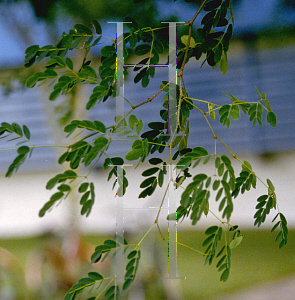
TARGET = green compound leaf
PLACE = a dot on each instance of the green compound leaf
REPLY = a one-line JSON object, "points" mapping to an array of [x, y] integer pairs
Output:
{"points": [[255, 113], [18, 161], [94, 126]]}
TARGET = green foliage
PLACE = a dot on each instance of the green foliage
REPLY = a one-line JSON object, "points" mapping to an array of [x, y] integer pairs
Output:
{"points": [[246, 180], [100, 253], [64, 189], [19, 132], [89, 281], [87, 199], [254, 111], [131, 268], [209, 42], [283, 234]]}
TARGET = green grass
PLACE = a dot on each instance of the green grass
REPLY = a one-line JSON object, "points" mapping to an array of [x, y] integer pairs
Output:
{"points": [[257, 259]]}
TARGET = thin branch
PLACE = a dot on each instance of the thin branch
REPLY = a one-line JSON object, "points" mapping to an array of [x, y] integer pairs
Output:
{"points": [[190, 24], [138, 105]]}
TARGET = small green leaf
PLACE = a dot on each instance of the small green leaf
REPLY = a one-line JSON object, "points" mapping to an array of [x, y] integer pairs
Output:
{"points": [[84, 198], [31, 81], [76, 42], [91, 72], [211, 230], [139, 126], [199, 178], [132, 121], [235, 112], [64, 188], [81, 28], [83, 187], [140, 75], [236, 242], [96, 256], [95, 276], [127, 284], [271, 118], [23, 150], [159, 46], [108, 51], [270, 185], [161, 178], [121, 240], [150, 171], [31, 52], [134, 154], [145, 80], [142, 49], [223, 64], [216, 185], [17, 129], [97, 26], [155, 161], [225, 275], [26, 132], [56, 196], [184, 40], [54, 94], [200, 151], [208, 240], [148, 181], [258, 92], [110, 291], [111, 243], [132, 254], [172, 217], [59, 61], [211, 5], [69, 63]]}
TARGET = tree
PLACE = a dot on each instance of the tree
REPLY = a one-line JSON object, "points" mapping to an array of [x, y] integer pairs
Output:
{"points": [[170, 135]]}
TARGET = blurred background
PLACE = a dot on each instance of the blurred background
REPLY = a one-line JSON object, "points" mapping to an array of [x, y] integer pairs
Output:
{"points": [[40, 258]]}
